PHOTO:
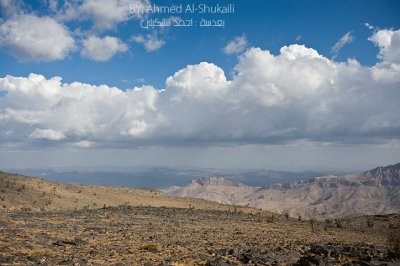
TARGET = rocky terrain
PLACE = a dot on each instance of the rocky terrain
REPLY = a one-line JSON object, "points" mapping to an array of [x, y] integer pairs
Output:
{"points": [[47, 223], [373, 192], [138, 235]]}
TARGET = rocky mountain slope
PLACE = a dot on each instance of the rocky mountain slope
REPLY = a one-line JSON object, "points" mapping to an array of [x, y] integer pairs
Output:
{"points": [[213, 188], [376, 191]]}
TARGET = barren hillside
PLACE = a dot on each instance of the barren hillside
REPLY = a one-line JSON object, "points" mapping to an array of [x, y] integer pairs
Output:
{"points": [[19, 192]]}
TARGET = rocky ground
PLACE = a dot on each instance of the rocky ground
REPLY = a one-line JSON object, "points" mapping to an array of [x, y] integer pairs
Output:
{"points": [[139, 235]]}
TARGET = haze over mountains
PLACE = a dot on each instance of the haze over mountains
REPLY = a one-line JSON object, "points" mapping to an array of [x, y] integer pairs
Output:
{"points": [[162, 177], [376, 191], [305, 194]]}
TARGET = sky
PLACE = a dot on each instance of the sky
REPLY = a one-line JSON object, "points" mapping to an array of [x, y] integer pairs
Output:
{"points": [[285, 85]]}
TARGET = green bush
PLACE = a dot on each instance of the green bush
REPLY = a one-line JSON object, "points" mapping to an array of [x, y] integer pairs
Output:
{"points": [[149, 247], [339, 223]]}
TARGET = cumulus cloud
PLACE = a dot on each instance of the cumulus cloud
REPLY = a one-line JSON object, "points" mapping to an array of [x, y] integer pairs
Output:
{"points": [[388, 42], [151, 42], [203, 80], [36, 38], [82, 144], [105, 14], [347, 38], [236, 46], [78, 111], [102, 49], [296, 95], [48, 134]]}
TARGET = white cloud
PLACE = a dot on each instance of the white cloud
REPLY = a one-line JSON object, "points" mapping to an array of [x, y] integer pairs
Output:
{"points": [[347, 38], [82, 144], [387, 70], [388, 42], [105, 14], [236, 46], [36, 38], [369, 26], [386, 73], [48, 134], [202, 80], [290, 97], [151, 42], [102, 49], [78, 110]]}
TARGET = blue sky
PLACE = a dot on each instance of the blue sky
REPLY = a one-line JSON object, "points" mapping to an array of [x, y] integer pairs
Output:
{"points": [[316, 80], [266, 24]]}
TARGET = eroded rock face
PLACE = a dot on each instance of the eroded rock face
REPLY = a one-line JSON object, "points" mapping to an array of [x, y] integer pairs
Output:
{"points": [[219, 181], [215, 189], [384, 176], [373, 192]]}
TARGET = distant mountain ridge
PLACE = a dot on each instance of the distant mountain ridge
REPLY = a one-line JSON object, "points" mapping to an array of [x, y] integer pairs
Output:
{"points": [[213, 188], [162, 177], [376, 191], [389, 175], [212, 180]]}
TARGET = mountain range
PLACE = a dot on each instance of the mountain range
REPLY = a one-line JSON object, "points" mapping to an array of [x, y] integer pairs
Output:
{"points": [[373, 192], [162, 177]]}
